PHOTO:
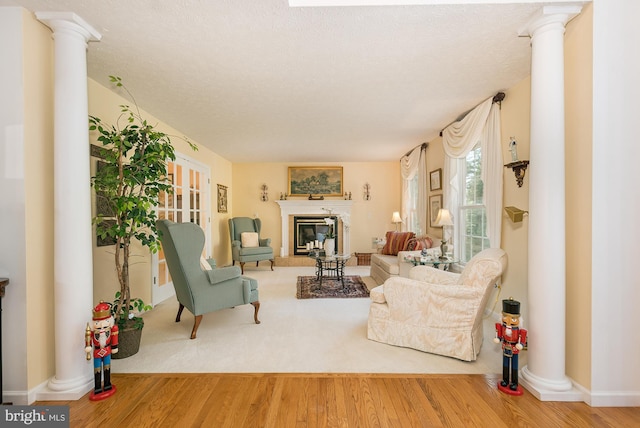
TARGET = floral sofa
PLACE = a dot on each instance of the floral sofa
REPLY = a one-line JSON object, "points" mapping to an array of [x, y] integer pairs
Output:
{"points": [[399, 245]]}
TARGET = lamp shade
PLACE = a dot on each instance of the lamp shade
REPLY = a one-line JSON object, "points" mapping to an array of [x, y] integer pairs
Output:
{"points": [[444, 218], [395, 218]]}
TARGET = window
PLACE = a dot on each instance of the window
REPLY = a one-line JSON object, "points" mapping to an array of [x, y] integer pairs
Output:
{"points": [[471, 209], [413, 219]]}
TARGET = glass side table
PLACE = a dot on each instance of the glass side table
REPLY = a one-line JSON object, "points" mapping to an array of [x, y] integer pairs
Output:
{"points": [[330, 266], [435, 262]]}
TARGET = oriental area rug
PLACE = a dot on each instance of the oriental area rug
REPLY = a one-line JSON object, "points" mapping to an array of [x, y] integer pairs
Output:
{"points": [[308, 287]]}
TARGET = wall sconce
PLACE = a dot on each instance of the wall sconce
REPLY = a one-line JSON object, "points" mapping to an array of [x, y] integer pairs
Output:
{"points": [[367, 192], [515, 214], [264, 196], [519, 168], [395, 218]]}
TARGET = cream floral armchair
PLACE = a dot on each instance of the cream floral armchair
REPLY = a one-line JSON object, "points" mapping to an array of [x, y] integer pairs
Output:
{"points": [[436, 311]]}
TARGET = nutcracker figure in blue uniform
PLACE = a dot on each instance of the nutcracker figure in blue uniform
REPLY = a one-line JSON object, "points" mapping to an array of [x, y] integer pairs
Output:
{"points": [[513, 339], [101, 337]]}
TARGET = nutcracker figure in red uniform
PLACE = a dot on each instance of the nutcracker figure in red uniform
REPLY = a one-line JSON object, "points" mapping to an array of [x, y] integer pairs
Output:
{"points": [[101, 336], [513, 339]]}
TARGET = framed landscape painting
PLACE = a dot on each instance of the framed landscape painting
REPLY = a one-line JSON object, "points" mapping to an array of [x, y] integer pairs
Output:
{"points": [[315, 180]]}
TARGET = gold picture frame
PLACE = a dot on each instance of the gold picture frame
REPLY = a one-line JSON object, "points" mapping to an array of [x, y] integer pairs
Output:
{"points": [[315, 180], [435, 203], [222, 198], [435, 179]]}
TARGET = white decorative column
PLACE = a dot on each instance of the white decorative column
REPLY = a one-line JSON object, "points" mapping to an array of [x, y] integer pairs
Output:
{"points": [[544, 375], [73, 266]]}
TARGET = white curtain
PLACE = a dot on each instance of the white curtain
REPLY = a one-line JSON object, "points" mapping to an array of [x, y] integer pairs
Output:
{"points": [[410, 165], [482, 125]]}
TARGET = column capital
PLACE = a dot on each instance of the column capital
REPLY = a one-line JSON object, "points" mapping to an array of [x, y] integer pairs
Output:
{"points": [[549, 17], [69, 21]]}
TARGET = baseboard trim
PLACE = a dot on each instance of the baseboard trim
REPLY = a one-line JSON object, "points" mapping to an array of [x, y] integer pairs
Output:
{"points": [[578, 392], [613, 399], [570, 395], [16, 398]]}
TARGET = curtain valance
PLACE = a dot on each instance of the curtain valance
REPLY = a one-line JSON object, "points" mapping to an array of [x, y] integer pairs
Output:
{"points": [[410, 165], [481, 125]]}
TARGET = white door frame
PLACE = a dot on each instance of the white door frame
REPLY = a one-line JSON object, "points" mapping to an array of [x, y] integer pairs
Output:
{"points": [[181, 210]]}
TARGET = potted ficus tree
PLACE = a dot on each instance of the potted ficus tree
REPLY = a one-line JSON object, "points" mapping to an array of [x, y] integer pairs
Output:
{"points": [[131, 174]]}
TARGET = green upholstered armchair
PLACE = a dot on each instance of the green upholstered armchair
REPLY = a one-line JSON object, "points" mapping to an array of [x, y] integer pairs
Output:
{"points": [[202, 289], [246, 244]]}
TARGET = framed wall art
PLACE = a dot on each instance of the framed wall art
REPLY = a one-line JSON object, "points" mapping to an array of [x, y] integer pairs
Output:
{"points": [[435, 179], [222, 198], [435, 203], [315, 180]]}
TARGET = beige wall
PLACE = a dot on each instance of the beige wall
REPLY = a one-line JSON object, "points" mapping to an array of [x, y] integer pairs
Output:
{"points": [[514, 116], [579, 158], [38, 150], [369, 219], [435, 160], [103, 103], [221, 171]]}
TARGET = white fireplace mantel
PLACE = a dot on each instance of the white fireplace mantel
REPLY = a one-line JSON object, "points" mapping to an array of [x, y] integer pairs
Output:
{"points": [[338, 207]]}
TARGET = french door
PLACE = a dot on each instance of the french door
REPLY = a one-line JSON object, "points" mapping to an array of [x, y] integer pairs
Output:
{"points": [[189, 202]]}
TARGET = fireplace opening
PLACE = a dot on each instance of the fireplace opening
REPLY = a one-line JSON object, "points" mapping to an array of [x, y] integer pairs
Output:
{"points": [[311, 229]]}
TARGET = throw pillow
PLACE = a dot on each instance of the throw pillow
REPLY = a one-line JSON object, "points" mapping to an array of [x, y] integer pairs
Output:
{"points": [[419, 243], [397, 241], [249, 239], [412, 244]]}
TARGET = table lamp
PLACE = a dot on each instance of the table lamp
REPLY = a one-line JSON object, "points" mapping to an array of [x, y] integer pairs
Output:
{"points": [[395, 218], [443, 220]]}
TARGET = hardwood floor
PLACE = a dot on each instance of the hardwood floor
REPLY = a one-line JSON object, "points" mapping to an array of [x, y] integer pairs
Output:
{"points": [[329, 400]]}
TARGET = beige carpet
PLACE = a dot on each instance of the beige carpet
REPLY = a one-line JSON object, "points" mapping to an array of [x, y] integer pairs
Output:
{"points": [[295, 336]]}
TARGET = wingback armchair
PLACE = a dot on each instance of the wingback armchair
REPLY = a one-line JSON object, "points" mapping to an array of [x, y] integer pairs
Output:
{"points": [[246, 244], [436, 311], [199, 285]]}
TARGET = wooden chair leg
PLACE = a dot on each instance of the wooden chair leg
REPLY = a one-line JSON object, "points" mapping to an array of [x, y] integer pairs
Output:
{"points": [[271, 264], [196, 324], [242, 268], [180, 308], [256, 306]]}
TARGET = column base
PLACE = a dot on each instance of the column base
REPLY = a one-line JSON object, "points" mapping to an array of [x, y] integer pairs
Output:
{"points": [[548, 390], [56, 390]]}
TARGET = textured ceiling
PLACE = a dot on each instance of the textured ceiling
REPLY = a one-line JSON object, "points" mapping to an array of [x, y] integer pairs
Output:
{"points": [[261, 81]]}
